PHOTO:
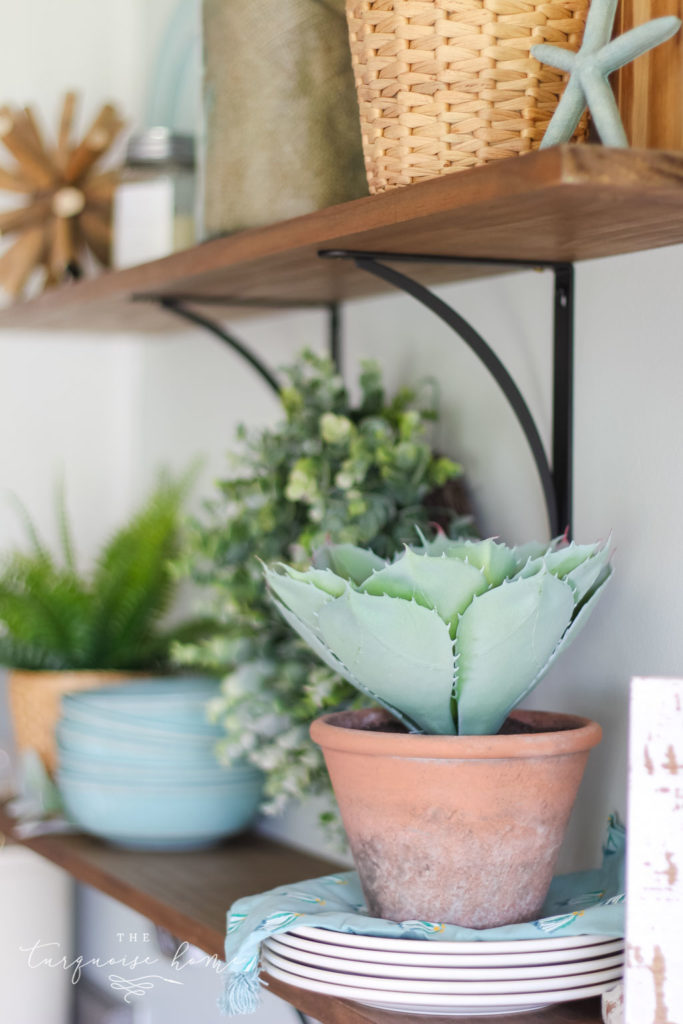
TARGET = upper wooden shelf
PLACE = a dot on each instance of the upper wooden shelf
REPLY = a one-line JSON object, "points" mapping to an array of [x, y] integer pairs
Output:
{"points": [[189, 895], [567, 203]]}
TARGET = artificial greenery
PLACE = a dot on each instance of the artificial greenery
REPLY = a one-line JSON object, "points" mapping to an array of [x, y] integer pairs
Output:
{"points": [[52, 616], [330, 470]]}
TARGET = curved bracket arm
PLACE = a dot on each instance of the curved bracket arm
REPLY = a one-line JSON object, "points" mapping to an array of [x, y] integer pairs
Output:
{"points": [[482, 350], [177, 307]]}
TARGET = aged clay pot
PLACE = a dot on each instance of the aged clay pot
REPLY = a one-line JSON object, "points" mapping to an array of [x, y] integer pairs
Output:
{"points": [[455, 829]]}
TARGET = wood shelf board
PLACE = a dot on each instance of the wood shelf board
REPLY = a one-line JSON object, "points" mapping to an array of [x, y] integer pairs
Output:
{"points": [[186, 893], [189, 895], [331, 1010], [568, 203]]}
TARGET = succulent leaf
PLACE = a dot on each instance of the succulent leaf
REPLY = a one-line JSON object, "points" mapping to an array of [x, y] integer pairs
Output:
{"points": [[317, 645], [304, 599], [580, 566], [398, 650], [532, 567], [504, 638], [434, 548], [576, 625], [348, 561], [311, 637], [495, 560], [580, 617], [511, 611], [445, 584], [591, 573], [569, 558], [323, 579], [533, 549]]}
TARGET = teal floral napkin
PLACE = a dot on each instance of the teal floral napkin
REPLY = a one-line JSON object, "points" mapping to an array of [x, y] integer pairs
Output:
{"points": [[584, 903]]}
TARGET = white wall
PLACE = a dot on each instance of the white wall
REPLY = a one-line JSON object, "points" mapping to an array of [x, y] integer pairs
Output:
{"points": [[65, 407], [36, 898], [108, 411]]}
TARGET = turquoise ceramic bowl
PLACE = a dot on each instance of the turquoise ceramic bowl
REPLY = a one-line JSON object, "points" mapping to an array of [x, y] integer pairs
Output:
{"points": [[77, 738], [148, 706], [151, 699], [136, 772], [113, 723], [171, 686], [157, 817], [137, 766]]}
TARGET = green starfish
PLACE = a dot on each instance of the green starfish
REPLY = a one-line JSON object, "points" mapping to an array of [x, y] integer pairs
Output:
{"points": [[597, 58]]}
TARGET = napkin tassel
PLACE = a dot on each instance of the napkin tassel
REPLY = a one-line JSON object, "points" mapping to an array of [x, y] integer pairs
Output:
{"points": [[242, 993]]}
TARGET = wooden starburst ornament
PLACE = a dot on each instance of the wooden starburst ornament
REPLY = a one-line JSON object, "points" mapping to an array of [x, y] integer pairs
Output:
{"points": [[69, 203]]}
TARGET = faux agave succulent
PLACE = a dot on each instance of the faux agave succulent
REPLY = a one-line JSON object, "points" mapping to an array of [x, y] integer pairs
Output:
{"points": [[451, 635]]}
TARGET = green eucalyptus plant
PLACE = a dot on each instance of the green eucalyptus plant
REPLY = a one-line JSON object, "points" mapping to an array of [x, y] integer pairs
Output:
{"points": [[53, 616], [450, 636], [357, 473]]}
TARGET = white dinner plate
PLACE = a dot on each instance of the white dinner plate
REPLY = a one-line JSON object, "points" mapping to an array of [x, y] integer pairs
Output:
{"points": [[453, 1005], [426, 953], [534, 986], [418, 945], [428, 973]]}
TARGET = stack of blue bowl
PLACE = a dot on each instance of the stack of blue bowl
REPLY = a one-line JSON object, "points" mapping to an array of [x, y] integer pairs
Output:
{"points": [[137, 766]]}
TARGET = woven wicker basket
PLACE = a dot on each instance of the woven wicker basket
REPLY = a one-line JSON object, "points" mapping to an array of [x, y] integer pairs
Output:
{"points": [[444, 85], [34, 699]]}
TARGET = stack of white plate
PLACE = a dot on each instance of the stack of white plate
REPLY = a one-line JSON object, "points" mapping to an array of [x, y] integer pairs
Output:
{"points": [[446, 978]]}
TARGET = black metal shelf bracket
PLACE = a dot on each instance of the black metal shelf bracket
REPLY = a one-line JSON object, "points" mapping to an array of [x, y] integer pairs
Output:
{"points": [[178, 305], [555, 474], [556, 478]]}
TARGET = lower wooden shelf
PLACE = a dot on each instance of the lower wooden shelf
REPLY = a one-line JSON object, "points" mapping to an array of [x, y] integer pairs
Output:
{"points": [[330, 1010], [189, 894], [186, 893]]}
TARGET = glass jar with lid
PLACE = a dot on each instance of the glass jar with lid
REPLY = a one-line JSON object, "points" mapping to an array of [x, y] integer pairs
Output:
{"points": [[154, 205]]}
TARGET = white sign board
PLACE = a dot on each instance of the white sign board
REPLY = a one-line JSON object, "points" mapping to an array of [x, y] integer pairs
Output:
{"points": [[654, 877]]}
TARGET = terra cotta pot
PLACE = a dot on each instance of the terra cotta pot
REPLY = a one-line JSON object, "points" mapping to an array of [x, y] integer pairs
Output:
{"points": [[455, 829]]}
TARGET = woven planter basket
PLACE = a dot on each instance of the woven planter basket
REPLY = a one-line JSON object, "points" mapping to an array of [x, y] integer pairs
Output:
{"points": [[34, 699], [444, 85]]}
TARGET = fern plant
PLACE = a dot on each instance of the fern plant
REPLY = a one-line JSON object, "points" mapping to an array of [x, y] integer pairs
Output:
{"points": [[52, 616]]}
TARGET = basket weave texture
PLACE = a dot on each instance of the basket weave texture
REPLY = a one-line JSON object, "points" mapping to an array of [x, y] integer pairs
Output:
{"points": [[444, 85], [35, 704]]}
